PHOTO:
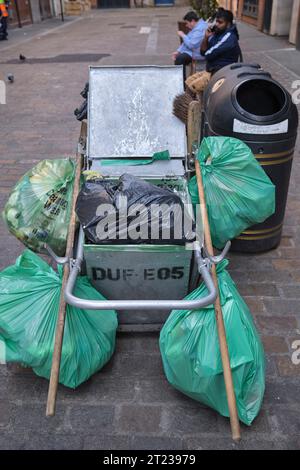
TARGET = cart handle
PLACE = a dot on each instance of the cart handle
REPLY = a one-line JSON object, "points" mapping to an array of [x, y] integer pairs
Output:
{"points": [[77, 302]]}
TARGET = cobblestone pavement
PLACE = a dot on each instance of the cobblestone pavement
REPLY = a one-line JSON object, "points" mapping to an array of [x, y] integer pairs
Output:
{"points": [[129, 404]]}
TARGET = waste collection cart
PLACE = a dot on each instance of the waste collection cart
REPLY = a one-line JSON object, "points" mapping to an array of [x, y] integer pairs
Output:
{"points": [[130, 119], [245, 102]]}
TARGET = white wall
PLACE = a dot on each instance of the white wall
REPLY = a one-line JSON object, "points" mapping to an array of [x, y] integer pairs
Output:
{"points": [[35, 9], [55, 7], [281, 17]]}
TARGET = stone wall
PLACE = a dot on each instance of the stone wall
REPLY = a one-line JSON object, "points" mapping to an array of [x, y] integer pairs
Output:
{"points": [[76, 7]]}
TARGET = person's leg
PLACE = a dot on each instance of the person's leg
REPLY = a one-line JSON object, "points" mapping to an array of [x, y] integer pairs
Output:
{"points": [[5, 27], [183, 59]]}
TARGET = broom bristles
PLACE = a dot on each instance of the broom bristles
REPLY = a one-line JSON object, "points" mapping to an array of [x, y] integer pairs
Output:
{"points": [[181, 106]]}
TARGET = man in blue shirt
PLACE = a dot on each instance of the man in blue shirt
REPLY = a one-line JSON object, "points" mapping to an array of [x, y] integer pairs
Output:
{"points": [[220, 46], [190, 47]]}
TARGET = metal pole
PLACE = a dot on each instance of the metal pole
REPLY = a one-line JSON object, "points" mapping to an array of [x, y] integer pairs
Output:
{"points": [[62, 11], [18, 14], [261, 15]]}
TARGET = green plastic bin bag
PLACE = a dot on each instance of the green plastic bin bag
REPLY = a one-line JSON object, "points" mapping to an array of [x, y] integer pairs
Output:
{"points": [[191, 356], [238, 192], [29, 303], [38, 209]]}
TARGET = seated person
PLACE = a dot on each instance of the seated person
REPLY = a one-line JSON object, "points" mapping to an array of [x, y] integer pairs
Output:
{"points": [[189, 49], [220, 45], [3, 20]]}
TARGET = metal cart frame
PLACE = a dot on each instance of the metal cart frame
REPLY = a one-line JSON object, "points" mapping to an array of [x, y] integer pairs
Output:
{"points": [[203, 261]]}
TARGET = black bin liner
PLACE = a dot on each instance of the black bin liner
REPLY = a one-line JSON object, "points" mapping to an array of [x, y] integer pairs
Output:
{"points": [[133, 211]]}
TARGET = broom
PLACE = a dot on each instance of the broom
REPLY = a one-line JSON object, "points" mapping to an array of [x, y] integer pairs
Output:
{"points": [[193, 136], [59, 335], [195, 85]]}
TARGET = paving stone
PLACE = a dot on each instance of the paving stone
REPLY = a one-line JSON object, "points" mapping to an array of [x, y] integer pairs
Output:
{"points": [[294, 444], [100, 389], [104, 441], [275, 344], [267, 277], [280, 325], [264, 444], [284, 264], [6, 411], [295, 275], [259, 426], [254, 263], [256, 306], [11, 441], [54, 442], [141, 419], [290, 292], [255, 290], [245, 444], [193, 419], [31, 418], [281, 307], [142, 365], [212, 443], [21, 389], [156, 443], [287, 242], [94, 418], [286, 368], [158, 390], [287, 420], [290, 254], [271, 369], [4, 371], [282, 391], [137, 342]]}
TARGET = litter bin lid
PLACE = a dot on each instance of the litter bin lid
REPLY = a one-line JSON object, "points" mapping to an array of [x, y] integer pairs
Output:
{"points": [[130, 112]]}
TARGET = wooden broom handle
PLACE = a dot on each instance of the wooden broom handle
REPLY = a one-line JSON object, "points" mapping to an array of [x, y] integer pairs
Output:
{"points": [[60, 326], [234, 419]]}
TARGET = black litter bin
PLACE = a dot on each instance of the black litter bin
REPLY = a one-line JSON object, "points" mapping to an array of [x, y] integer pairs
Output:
{"points": [[243, 101]]}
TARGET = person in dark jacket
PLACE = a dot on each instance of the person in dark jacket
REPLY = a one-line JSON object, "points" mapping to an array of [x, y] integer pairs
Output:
{"points": [[3, 20], [220, 46]]}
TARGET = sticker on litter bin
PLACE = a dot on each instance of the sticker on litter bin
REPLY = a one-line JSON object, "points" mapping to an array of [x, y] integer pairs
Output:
{"points": [[245, 128]]}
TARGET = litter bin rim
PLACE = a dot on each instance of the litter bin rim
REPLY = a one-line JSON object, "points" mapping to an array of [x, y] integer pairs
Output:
{"points": [[256, 118]]}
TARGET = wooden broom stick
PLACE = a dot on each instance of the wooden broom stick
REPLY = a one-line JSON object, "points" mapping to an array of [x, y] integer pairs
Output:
{"points": [[193, 131], [234, 419], [60, 326]]}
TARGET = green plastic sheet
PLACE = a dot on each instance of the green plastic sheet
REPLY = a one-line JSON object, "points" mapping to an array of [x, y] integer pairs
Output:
{"points": [[164, 155], [238, 192], [29, 303], [191, 355], [38, 209]]}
